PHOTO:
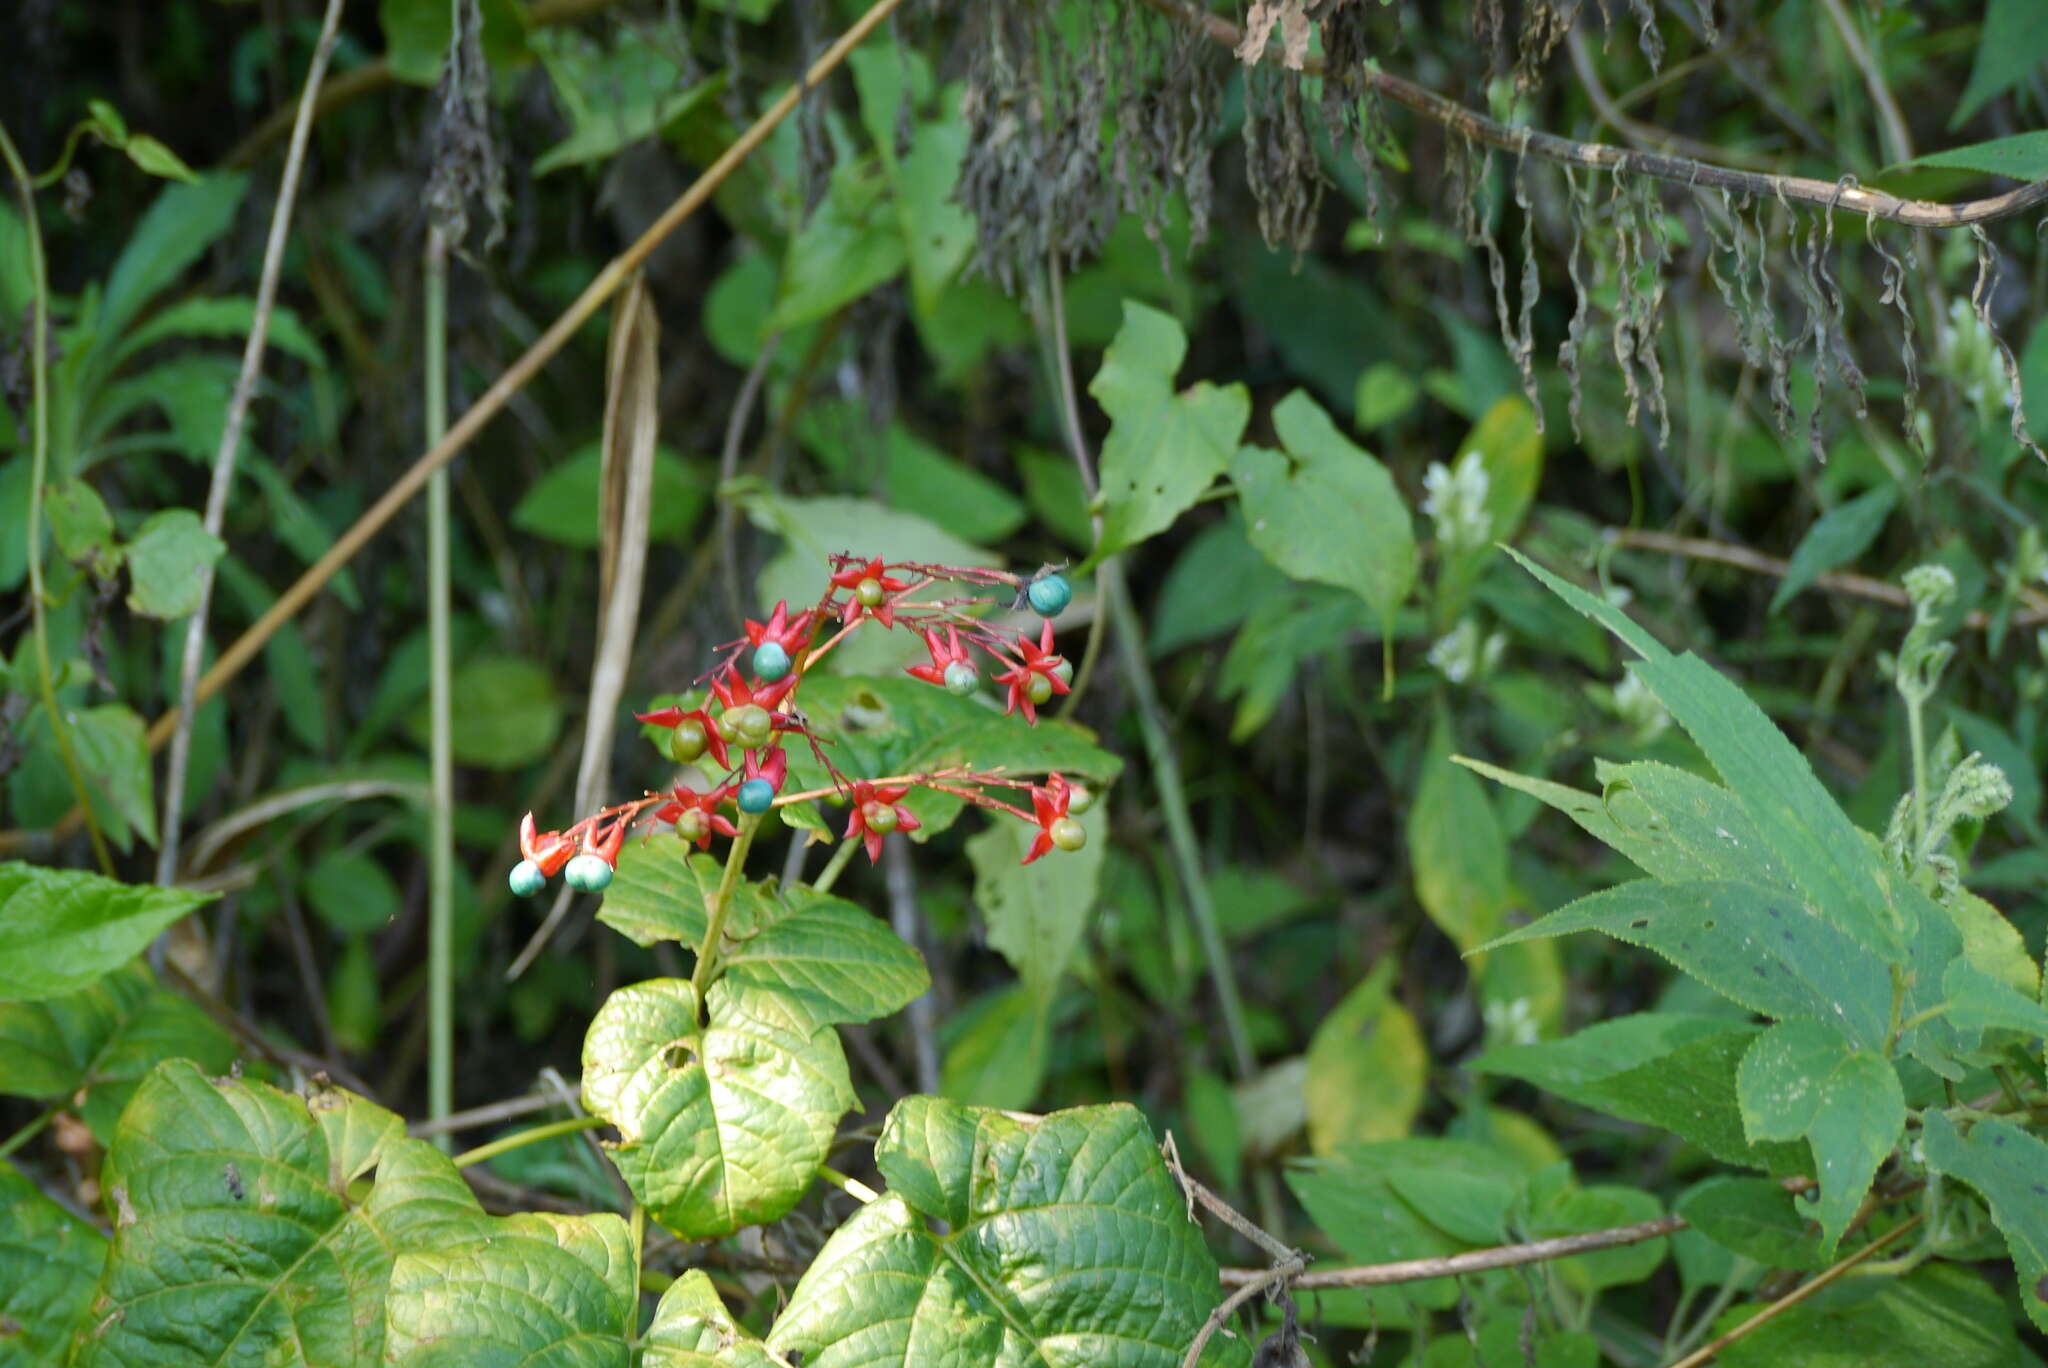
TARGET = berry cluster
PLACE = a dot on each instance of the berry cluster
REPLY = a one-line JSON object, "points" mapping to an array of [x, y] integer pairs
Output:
{"points": [[755, 686]]}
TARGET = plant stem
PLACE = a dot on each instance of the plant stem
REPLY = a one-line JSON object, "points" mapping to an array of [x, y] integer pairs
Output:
{"points": [[852, 1187], [441, 810], [39, 474], [505, 1144], [829, 875], [721, 905], [1916, 733], [28, 1132]]}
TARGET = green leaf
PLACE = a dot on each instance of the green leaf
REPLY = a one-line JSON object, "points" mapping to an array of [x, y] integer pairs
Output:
{"points": [[416, 34], [1385, 392], [223, 316], [113, 755], [237, 1236], [167, 561], [91, 1048], [1803, 1079], [82, 526], [692, 1329], [536, 1290], [1326, 511], [1037, 913], [724, 1124], [2011, 46], [349, 890], [562, 505], [1064, 1240], [1581, 1211], [2023, 156], [50, 1264], [507, 713], [62, 929], [1164, 448], [1367, 1068], [1509, 449], [182, 223], [825, 959], [158, 160], [2009, 1169], [852, 243], [1939, 1314], [1840, 535], [910, 473], [1217, 584], [1457, 850], [997, 1058], [1756, 1218]]}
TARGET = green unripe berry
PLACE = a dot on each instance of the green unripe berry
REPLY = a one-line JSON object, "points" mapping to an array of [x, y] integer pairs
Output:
{"points": [[1064, 669], [756, 796], [687, 741], [870, 592], [1068, 834], [1038, 688], [771, 661], [962, 679], [1050, 595], [749, 724], [1079, 799], [588, 874], [880, 817], [694, 824], [527, 879]]}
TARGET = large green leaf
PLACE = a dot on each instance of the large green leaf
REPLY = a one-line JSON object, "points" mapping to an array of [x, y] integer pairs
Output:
{"points": [[92, 1047], [167, 561], [852, 243], [2011, 46], [1037, 913], [1164, 447], [911, 473], [536, 1290], [692, 1329], [60, 929], [1051, 1241], [826, 959], [2023, 156], [416, 34], [725, 1123], [239, 1239], [1756, 1218], [182, 222], [113, 757], [50, 1264], [2009, 1169], [1367, 1066], [1325, 510], [1457, 850], [1804, 1080]]}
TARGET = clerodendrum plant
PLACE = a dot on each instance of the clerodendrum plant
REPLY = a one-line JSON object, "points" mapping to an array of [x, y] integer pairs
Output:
{"points": [[256, 1226]]}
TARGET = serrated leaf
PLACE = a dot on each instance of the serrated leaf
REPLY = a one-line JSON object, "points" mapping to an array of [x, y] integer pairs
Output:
{"points": [[1805, 1080], [2009, 1169], [61, 929], [50, 1264], [828, 960], [237, 1240], [1755, 1218], [1037, 913], [1164, 447], [2022, 156], [92, 1048], [536, 1290], [167, 560], [1065, 1242], [724, 1123], [1977, 1001], [692, 1329], [223, 316], [1325, 510], [1367, 1068], [1838, 537]]}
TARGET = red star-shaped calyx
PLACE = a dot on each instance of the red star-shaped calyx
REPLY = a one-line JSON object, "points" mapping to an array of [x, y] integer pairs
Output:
{"points": [[791, 634], [1049, 804], [733, 691], [1038, 658], [852, 577], [673, 717], [876, 814], [696, 815], [944, 653], [549, 850]]}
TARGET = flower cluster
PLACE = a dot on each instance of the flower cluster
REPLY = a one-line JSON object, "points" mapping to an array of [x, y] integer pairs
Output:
{"points": [[748, 705]]}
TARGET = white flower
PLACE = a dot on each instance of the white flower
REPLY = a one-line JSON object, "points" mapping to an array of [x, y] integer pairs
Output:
{"points": [[1513, 1021], [1463, 654], [1455, 500], [1969, 353]]}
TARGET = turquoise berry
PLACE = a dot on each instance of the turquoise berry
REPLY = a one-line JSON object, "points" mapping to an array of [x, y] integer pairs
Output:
{"points": [[962, 679], [1050, 595], [588, 874], [756, 796], [771, 662], [527, 879]]}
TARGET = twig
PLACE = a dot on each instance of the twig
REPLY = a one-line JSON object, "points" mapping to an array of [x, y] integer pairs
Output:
{"points": [[614, 275], [1265, 1282], [1198, 1194], [1084, 465], [1859, 586], [1471, 1261], [485, 1116], [1796, 1295], [230, 448], [900, 874], [440, 703], [1659, 166]]}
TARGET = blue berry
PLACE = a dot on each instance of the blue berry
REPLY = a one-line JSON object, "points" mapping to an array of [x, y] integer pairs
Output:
{"points": [[756, 796], [588, 874], [962, 679], [527, 879], [771, 662], [1050, 595]]}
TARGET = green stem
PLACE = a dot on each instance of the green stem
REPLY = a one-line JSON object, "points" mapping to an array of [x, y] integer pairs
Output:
{"points": [[852, 1187], [28, 1132], [441, 808], [1916, 733], [39, 474], [721, 904], [829, 875], [505, 1144]]}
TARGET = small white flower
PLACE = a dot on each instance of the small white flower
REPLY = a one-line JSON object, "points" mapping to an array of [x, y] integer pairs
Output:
{"points": [[1641, 711], [1455, 500], [1462, 654], [1513, 1021]]}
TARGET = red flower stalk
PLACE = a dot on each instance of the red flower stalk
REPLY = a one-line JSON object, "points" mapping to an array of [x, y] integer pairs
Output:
{"points": [[695, 815], [549, 850], [791, 636], [851, 579], [1049, 804], [876, 813], [950, 652], [606, 844], [774, 767], [1038, 659], [672, 717]]}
